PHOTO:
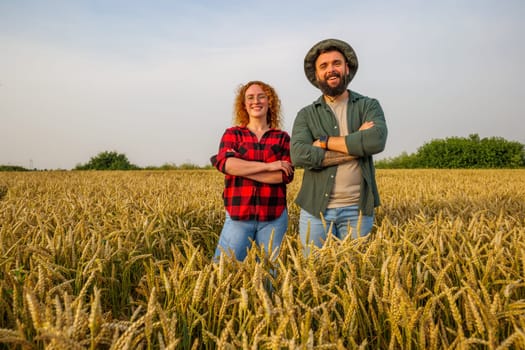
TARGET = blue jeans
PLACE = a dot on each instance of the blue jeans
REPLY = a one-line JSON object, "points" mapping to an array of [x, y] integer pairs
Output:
{"points": [[237, 236], [337, 221]]}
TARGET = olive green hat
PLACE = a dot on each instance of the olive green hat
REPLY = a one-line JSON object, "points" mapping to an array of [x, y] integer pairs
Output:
{"points": [[314, 52]]}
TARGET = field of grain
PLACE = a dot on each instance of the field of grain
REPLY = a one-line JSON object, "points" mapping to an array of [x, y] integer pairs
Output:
{"points": [[121, 260]]}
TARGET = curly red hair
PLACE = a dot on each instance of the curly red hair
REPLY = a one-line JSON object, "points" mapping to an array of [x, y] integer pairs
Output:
{"points": [[240, 115]]}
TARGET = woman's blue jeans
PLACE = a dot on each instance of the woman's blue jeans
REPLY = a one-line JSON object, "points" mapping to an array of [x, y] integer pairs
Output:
{"points": [[337, 221], [237, 236]]}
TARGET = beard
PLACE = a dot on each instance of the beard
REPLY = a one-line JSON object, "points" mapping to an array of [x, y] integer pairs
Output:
{"points": [[333, 91]]}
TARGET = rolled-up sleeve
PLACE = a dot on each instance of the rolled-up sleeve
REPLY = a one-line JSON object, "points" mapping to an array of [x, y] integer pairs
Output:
{"points": [[285, 146], [371, 141], [303, 154], [226, 150]]}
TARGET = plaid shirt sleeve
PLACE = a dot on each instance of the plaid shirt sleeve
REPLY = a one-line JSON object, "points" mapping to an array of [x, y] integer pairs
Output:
{"points": [[285, 146], [227, 149]]}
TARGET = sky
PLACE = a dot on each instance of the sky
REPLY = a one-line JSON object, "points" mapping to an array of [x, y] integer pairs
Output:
{"points": [[156, 80]]}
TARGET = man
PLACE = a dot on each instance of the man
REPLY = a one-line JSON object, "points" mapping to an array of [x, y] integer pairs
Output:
{"points": [[334, 139]]}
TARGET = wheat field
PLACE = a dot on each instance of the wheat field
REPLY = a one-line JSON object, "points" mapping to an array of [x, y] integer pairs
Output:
{"points": [[122, 260]]}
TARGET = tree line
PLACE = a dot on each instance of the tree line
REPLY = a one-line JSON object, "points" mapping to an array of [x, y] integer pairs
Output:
{"points": [[118, 161], [449, 153], [470, 152]]}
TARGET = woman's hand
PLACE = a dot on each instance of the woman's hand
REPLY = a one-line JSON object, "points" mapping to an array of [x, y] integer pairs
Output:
{"points": [[281, 165]]}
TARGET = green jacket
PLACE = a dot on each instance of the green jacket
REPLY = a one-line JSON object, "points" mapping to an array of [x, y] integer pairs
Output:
{"points": [[318, 119]]}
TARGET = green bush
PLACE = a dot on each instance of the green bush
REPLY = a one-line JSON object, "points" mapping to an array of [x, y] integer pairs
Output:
{"points": [[461, 153], [108, 161]]}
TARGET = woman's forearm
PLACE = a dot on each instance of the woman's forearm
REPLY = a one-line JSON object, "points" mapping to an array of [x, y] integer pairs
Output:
{"points": [[241, 167], [271, 171], [269, 177]]}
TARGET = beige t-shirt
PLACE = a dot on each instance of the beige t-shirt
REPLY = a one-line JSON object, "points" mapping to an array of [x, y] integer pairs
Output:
{"points": [[347, 184]]}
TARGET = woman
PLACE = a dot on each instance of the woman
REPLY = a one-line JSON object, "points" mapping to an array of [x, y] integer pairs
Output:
{"points": [[254, 155]]}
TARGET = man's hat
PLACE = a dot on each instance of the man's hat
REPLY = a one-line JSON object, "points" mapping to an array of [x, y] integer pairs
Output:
{"points": [[344, 48]]}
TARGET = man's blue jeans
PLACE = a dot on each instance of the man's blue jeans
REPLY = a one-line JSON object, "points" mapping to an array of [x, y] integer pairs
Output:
{"points": [[337, 221], [237, 236]]}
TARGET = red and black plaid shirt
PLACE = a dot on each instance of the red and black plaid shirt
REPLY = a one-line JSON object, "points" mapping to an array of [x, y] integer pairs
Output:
{"points": [[247, 199]]}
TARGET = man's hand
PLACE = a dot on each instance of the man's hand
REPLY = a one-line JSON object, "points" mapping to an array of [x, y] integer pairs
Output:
{"points": [[316, 143], [366, 125]]}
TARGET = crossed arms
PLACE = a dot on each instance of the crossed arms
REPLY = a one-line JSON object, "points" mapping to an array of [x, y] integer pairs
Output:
{"points": [[337, 152], [270, 173]]}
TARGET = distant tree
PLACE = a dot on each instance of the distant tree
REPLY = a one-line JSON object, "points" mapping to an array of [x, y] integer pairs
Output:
{"points": [[12, 168], [108, 161]]}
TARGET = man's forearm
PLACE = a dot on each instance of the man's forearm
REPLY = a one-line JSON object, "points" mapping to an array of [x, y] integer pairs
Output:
{"points": [[337, 144], [336, 158]]}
